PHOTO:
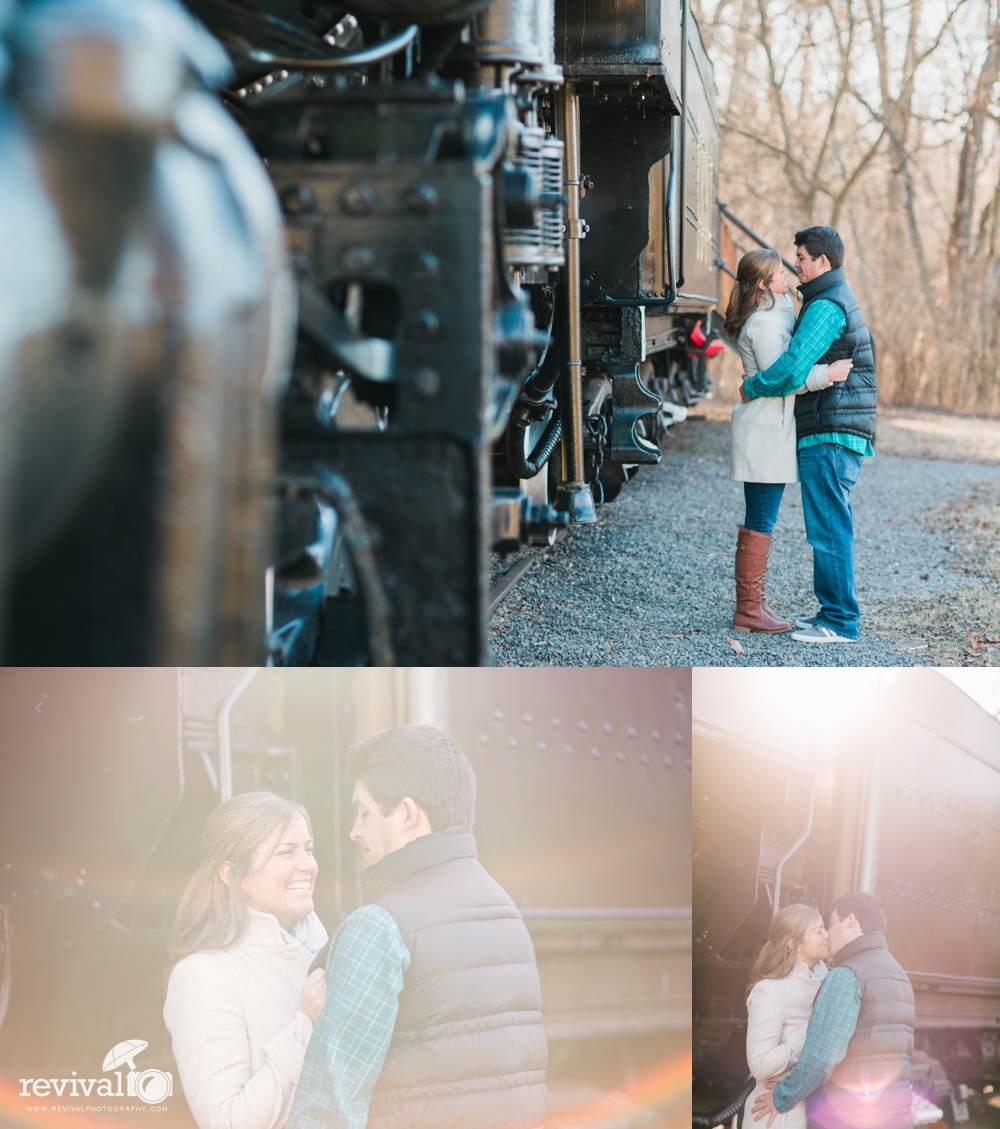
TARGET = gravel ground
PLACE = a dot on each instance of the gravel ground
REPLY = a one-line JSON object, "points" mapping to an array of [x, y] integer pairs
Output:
{"points": [[651, 583]]}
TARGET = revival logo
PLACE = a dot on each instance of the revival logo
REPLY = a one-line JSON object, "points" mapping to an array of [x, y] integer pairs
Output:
{"points": [[150, 1086]]}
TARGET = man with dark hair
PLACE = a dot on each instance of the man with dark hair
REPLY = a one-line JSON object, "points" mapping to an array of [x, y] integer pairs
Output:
{"points": [[433, 1007], [835, 426], [820, 241], [420, 762], [860, 1035]]}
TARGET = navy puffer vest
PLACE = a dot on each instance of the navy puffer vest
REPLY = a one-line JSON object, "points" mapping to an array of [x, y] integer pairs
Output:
{"points": [[468, 1049], [848, 407], [870, 1088]]}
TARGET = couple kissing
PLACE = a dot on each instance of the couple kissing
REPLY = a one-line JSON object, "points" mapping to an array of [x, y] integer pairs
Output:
{"points": [[830, 1047], [806, 413]]}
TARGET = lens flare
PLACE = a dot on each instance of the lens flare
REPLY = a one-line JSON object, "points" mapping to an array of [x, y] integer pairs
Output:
{"points": [[656, 1091], [864, 1103]]}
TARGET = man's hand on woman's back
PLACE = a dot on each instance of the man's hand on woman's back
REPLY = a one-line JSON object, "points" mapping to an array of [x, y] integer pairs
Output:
{"points": [[313, 995]]}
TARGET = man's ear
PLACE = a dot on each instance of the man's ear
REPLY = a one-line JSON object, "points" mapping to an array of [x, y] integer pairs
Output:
{"points": [[410, 813], [413, 813]]}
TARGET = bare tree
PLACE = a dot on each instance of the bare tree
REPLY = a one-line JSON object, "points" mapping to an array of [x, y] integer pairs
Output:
{"points": [[972, 143], [903, 155]]}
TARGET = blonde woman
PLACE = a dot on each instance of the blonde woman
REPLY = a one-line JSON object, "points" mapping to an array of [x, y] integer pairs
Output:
{"points": [[240, 1002], [762, 452], [783, 984]]}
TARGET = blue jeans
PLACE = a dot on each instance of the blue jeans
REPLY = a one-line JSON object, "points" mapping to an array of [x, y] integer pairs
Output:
{"points": [[828, 473], [763, 502]]}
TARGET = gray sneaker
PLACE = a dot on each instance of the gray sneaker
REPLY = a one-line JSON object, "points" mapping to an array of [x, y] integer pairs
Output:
{"points": [[820, 633], [807, 622]]}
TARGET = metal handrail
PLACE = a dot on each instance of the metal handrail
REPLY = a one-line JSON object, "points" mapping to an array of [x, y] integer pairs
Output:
{"points": [[795, 846], [224, 733], [755, 237]]}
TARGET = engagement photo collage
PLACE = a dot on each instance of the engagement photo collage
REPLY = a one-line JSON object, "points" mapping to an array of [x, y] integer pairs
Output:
{"points": [[499, 564]]}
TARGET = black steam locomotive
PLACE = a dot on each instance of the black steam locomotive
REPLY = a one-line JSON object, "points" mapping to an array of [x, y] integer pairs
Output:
{"points": [[806, 795], [504, 239]]}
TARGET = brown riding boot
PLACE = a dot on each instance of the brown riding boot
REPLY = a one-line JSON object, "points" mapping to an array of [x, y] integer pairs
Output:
{"points": [[752, 612]]}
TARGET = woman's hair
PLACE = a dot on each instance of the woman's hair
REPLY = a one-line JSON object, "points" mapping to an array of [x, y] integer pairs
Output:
{"points": [[212, 914], [777, 958], [746, 295]]}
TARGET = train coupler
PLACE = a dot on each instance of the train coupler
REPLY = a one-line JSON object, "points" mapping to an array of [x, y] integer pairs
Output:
{"points": [[517, 521]]}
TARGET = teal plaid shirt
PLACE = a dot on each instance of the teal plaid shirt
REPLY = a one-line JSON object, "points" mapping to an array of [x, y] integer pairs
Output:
{"points": [[364, 976], [822, 323], [831, 1025]]}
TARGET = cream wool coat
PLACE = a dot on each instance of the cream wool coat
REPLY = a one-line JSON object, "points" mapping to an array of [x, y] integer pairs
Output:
{"points": [[778, 1013], [237, 1033], [763, 430]]}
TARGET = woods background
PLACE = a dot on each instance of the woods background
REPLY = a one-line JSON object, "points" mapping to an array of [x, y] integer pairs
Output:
{"points": [[880, 119]]}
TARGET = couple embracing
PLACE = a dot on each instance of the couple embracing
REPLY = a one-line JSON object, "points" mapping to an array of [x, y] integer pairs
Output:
{"points": [[422, 1012], [829, 1047], [807, 413]]}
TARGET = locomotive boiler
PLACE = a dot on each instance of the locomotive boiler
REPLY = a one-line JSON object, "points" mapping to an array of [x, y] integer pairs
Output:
{"points": [[502, 271], [107, 777], [889, 785]]}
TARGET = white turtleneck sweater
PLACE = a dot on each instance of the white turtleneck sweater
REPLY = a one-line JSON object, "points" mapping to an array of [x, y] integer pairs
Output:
{"points": [[234, 1020], [778, 1014]]}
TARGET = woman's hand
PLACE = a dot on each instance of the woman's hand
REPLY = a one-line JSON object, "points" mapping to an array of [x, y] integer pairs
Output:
{"points": [[839, 370], [313, 994]]}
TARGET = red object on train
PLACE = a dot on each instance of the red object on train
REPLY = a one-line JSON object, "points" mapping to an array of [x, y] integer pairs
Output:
{"points": [[703, 347]]}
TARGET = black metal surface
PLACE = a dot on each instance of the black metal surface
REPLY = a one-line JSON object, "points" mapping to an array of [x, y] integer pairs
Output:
{"points": [[432, 558], [618, 38], [631, 401], [408, 232], [652, 176], [360, 542], [89, 599], [622, 139]]}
